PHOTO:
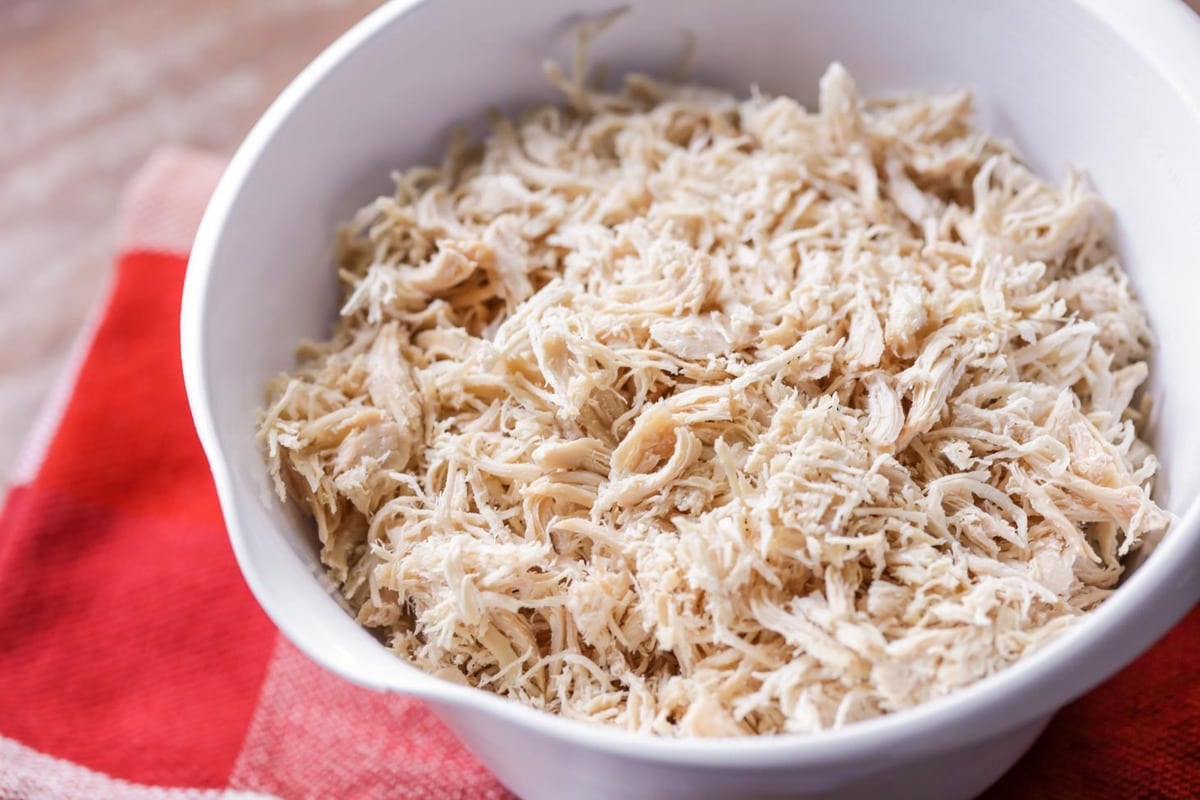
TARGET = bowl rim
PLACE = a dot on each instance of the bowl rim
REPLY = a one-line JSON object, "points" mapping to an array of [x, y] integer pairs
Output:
{"points": [[1165, 33]]}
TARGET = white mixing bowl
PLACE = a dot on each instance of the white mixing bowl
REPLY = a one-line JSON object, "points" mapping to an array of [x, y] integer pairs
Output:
{"points": [[1110, 85]]}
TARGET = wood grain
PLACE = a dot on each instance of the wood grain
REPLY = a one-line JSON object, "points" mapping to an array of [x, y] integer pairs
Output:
{"points": [[88, 89]]}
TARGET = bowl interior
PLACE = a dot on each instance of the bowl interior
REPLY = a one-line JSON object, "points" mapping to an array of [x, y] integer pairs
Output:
{"points": [[1065, 86]]}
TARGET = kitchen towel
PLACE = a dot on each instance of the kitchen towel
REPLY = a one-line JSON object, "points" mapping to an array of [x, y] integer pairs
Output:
{"points": [[135, 665]]}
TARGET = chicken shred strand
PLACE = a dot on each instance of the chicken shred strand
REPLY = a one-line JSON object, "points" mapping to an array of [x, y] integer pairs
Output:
{"points": [[704, 416]]}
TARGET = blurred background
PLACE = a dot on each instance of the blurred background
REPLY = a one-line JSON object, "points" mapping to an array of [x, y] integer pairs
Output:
{"points": [[88, 90]]}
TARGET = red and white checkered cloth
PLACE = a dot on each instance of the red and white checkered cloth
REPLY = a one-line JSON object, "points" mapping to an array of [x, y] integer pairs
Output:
{"points": [[134, 664]]}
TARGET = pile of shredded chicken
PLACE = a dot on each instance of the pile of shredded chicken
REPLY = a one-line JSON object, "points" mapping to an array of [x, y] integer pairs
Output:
{"points": [[704, 416]]}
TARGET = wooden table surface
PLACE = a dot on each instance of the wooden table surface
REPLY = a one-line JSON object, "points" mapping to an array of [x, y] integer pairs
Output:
{"points": [[88, 88]]}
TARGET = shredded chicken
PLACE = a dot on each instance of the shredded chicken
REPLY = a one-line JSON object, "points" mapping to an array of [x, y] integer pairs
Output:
{"points": [[704, 416]]}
